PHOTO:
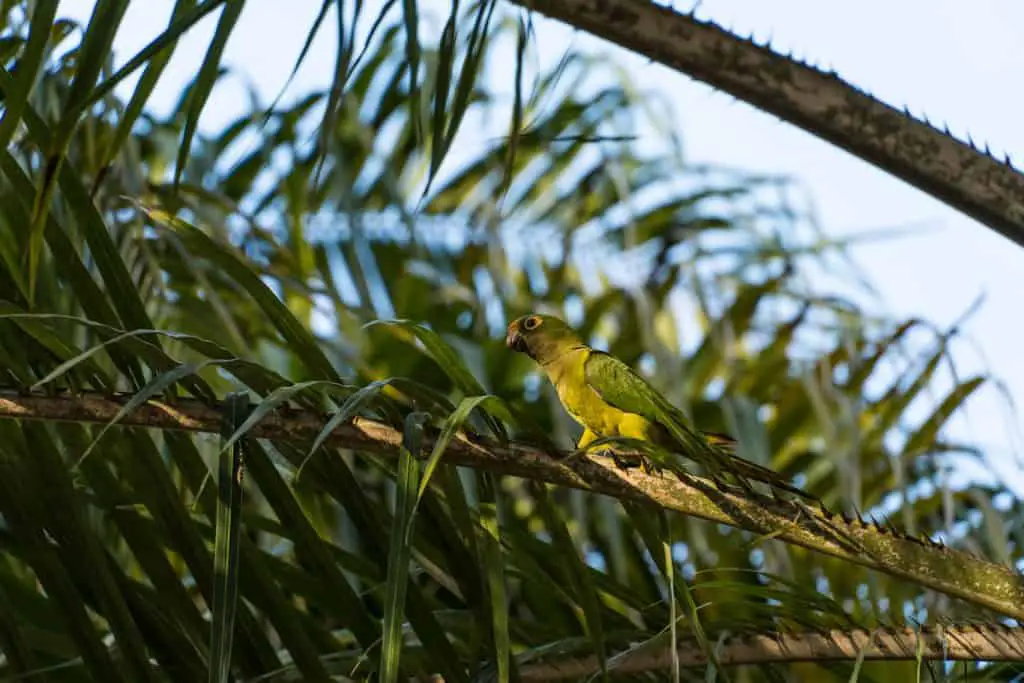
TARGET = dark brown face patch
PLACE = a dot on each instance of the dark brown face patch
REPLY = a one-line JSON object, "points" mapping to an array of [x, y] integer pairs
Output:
{"points": [[516, 342], [514, 339]]}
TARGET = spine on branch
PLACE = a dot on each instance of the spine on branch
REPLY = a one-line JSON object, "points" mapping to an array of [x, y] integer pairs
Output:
{"points": [[949, 643], [957, 173], [930, 565]]}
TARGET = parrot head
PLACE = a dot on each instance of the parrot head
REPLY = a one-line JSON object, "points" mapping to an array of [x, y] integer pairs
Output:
{"points": [[541, 337]]}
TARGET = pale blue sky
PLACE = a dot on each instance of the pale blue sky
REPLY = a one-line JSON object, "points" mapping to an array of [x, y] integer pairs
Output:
{"points": [[936, 57]]}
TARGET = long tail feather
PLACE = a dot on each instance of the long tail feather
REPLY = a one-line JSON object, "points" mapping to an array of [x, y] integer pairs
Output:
{"points": [[728, 446]]}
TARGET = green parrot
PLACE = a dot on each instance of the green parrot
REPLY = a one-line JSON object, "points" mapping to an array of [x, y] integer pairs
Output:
{"points": [[609, 399]]}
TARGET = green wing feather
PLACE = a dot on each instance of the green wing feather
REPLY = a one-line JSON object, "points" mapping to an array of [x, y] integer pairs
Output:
{"points": [[621, 387], [618, 385]]}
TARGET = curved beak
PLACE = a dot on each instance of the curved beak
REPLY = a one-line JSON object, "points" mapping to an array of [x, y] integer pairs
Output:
{"points": [[514, 339]]}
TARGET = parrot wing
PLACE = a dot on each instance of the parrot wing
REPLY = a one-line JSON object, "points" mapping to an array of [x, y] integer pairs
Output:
{"points": [[618, 385], [621, 387]]}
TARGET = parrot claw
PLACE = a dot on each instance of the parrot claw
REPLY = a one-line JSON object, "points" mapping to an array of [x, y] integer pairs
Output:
{"points": [[649, 467], [631, 462], [620, 462]]}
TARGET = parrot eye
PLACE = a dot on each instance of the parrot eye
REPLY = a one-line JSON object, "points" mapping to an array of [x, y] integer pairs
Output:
{"points": [[531, 323]]}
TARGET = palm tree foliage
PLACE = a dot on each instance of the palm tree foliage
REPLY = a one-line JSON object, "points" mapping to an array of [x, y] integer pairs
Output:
{"points": [[318, 254]]}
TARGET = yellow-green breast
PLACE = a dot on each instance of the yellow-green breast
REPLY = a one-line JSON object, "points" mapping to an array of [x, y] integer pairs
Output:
{"points": [[567, 374]]}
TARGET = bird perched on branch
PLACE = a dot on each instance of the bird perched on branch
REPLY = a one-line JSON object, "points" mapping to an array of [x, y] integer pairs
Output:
{"points": [[610, 400]]}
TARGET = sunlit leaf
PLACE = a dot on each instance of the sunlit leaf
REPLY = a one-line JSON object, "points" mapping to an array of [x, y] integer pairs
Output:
{"points": [[229, 525], [208, 74]]}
